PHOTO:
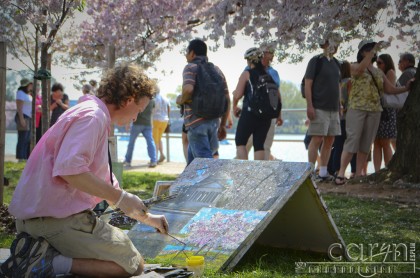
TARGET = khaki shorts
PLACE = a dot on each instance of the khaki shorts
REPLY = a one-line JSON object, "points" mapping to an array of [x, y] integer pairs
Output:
{"points": [[326, 123], [361, 128], [84, 236]]}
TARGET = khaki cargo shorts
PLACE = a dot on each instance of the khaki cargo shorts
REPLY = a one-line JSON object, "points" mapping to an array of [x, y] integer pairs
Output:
{"points": [[326, 123], [85, 236]]}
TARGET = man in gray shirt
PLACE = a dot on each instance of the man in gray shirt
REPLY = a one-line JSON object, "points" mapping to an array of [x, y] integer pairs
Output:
{"points": [[143, 124], [322, 92], [406, 65]]}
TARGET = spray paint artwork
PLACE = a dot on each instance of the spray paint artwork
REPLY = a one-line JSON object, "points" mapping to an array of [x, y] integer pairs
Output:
{"points": [[214, 233]]}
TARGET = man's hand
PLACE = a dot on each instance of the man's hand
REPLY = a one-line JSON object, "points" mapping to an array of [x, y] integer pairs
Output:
{"points": [[221, 133], [279, 121], [157, 221], [236, 111], [22, 122], [229, 123], [178, 100], [310, 112], [132, 206]]}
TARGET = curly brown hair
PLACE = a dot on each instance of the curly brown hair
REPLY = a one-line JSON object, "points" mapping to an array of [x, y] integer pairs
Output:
{"points": [[123, 82]]}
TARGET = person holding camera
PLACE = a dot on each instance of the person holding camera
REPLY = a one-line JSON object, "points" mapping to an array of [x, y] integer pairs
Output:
{"points": [[364, 108]]}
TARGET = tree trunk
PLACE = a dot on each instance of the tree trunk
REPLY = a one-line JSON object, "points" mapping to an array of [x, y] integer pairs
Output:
{"points": [[3, 113], [35, 86], [406, 160], [45, 93]]}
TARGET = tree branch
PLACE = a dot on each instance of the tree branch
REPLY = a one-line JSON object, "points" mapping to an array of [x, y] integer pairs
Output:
{"points": [[27, 45], [53, 32], [18, 57]]}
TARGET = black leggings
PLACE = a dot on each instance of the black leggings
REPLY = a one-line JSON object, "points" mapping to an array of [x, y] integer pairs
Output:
{"points": [[249, 125]]}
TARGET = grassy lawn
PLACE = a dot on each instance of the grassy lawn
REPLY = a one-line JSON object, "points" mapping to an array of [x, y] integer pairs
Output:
{"points": [[359, 221]]}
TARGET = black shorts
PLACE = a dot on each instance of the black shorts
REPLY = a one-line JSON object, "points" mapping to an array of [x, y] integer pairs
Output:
{"points": [[250, 124]]}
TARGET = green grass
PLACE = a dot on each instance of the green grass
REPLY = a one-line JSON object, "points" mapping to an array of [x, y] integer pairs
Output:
{"points": [[12, 171], [359, 221], [143, 184]]}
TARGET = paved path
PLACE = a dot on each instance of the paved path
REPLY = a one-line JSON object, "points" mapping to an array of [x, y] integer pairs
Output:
{"points": [[4, 254], [170, 168]]}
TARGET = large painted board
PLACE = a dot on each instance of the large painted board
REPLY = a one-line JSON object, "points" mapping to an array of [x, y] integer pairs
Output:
{"points": [[214, 233], [225, 206]]}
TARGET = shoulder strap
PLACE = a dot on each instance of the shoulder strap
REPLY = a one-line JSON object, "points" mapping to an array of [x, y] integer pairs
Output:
{"points": [[337, 62], [374, 81], [253, 75], [110, 166], [348, 87], [318, 65]]}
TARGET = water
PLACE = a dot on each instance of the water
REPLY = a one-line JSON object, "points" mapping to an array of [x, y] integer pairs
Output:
{"points": [[286, 151], [282, 150]]}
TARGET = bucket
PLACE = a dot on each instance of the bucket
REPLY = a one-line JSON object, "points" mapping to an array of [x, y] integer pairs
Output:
{"points": [[196, 265]]}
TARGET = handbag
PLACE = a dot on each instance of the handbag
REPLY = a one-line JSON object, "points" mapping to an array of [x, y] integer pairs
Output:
{"points": [[19, 127], [384, 114], [394, 101]]}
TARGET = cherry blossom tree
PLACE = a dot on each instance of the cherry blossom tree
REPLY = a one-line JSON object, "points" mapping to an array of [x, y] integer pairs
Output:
{"points": [[30, 28], [296, 27], [140, 31]]}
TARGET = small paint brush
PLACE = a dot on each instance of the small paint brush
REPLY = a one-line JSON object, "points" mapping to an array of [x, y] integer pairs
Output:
{"points": [[183, 243]]}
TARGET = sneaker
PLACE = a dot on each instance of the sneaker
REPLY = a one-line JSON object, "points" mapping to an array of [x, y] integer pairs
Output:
{"points": [[41, 264], [18, 251], [29, 257], [126, 164], [152, 164]]}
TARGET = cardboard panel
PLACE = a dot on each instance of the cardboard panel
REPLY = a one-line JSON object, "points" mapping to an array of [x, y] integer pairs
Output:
{"points": [[225, 206]]}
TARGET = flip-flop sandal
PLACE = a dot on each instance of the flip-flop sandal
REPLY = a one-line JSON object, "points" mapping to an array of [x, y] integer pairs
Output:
{"points": [[339, 180]]}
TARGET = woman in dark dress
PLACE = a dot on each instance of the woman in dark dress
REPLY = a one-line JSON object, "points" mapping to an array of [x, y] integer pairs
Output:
{"points": [[59, 102]]}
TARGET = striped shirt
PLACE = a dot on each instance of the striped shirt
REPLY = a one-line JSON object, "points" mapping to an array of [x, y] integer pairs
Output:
{"points": [[189, 76]]}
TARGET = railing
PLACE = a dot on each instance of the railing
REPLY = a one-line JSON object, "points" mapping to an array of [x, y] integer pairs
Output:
{"points": [[230, 137], [176, 120]]}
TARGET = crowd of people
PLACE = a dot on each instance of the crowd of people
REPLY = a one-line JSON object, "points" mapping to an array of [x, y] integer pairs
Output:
{"points": [[328, 84], [59, 102], [346, 112], [65, 179]]}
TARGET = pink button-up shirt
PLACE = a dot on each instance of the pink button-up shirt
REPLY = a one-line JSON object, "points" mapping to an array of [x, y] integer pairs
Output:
{"points": [[77, 143]]}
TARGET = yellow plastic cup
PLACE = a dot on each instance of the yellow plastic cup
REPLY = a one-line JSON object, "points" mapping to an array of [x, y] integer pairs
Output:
{"points": [[195, 264]]}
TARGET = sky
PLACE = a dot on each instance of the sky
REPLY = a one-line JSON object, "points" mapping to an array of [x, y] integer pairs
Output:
{"points": [[230, 61]]}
